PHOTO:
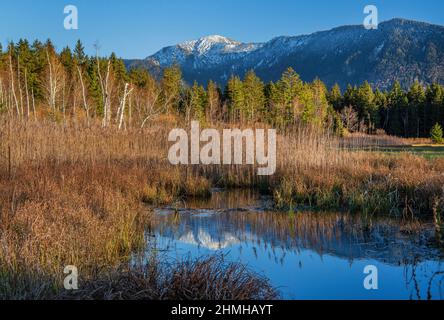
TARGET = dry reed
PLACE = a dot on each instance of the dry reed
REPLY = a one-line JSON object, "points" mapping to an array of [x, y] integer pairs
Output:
{"points": [[73, 194]]}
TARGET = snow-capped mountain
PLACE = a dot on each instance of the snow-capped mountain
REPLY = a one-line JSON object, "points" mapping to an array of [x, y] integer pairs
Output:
{"points": [[206, 51], [398, 50], [197, 56]]}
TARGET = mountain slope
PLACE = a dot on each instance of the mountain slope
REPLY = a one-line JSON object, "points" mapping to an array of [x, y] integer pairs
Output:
{"points": [[398, 50]]}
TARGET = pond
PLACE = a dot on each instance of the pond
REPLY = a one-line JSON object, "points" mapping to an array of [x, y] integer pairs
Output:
{"points": [[306, 255]]}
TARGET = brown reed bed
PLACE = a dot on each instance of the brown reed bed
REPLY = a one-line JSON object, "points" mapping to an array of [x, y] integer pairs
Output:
{"points": [[74, 194]]}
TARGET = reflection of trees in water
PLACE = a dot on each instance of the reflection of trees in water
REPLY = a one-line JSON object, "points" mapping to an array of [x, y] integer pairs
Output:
{"points": [[435, 280], [338, 234], [437, 274], [235, 199], [236, 218]]}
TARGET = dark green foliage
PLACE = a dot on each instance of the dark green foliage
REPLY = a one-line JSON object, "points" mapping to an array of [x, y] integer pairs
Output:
{"points": [[197, 103], [436, 134], [171, 84], [335, 98]]}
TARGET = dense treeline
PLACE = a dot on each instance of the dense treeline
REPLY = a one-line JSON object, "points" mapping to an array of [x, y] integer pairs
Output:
{"points": [[410, 113], [37, 81]]}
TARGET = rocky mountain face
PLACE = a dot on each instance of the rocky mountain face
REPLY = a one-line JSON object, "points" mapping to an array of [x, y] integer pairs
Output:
{"points": [[399, 49]]}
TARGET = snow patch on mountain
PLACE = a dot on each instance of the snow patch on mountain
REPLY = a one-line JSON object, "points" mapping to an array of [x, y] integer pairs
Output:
{"points": [[207, 50]]}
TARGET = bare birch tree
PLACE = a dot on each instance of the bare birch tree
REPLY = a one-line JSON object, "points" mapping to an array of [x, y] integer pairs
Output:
{"points": [[11, 73], [82, 84], [121, 111], [54, 79]]}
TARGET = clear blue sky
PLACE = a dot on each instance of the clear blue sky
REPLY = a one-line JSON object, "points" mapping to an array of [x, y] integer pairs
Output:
{"points": [[138, 28]]}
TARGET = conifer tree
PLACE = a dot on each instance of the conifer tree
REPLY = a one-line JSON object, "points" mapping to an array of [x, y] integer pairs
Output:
{"points": [[318, 115], [366, 106], [381, 105], [254, 98], [197, 102], [349, 98], [94, 87], [335, 98], [398, 103], [290, 98], [214, 105], [436, 134], [235, 96], [416, 99], [433, 105], [171, 85], [118, 69], [79, 53]]}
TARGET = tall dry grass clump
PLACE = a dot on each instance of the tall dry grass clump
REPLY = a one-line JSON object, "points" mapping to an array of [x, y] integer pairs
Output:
{"points": [[207, 279], [316, 170]]}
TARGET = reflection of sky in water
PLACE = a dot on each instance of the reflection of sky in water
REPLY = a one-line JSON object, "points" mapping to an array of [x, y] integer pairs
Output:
{"points": [[322, 265]]}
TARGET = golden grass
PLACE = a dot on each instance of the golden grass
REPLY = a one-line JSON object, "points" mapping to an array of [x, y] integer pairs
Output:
{"points": [[74, 194]]}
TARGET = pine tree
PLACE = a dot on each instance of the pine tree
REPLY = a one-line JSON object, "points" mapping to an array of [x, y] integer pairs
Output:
{"points": [[119, 69], [171, 85], [235, 96], [382, 107], [67, 60], [197, 102], [335, 122], [79, 53], [37, 70], [366, 106], [94, 87], [436, 134], [349, 98], [214, 111], [398, 103], [290, 99], [416, 98], [254, 98], [433, 105], [318, 115], [140, 77], [335, 98]]}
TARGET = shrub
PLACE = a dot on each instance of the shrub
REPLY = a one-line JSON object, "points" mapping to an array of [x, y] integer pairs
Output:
{"points": [[436, 134]]}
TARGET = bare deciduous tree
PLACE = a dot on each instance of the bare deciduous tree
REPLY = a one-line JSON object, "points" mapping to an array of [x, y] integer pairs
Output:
{"points": [[11, 74], [55, 74], [350, 119], [121, 111], [85, 103]]}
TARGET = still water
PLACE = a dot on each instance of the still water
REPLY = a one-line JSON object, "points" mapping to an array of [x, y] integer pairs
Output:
{"points": [[305, 255]]}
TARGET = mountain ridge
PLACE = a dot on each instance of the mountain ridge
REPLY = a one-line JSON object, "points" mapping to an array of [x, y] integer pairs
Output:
{"points": [[400, 49]]}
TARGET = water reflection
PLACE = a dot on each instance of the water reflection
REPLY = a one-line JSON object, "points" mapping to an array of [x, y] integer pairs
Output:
{"points": [[307, 255]]}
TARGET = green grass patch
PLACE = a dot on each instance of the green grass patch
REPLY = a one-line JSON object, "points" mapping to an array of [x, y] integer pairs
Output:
{"points": [[426, 151]]}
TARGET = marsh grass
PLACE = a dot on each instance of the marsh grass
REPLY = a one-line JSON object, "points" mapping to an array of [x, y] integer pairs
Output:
{"points": [[76, 194], [203, 279]]}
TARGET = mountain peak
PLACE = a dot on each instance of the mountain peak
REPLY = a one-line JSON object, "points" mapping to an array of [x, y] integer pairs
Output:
{"points": [[207, 43], [216, 39], [402, 50]]}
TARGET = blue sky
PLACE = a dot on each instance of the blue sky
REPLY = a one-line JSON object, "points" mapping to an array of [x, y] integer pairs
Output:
{"points": [[138, 28]]}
